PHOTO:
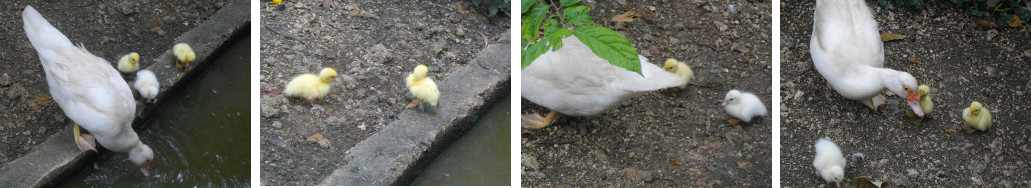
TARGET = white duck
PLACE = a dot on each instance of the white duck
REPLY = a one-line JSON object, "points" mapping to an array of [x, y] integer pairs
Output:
{"points": [[829, 161], [847, 50], [743, 106], [575, 81], [89, 91], [147, 84]]}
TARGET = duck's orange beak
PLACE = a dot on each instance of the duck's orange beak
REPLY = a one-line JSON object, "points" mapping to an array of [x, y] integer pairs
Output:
{"points": [[144, 169], [913, 99]]}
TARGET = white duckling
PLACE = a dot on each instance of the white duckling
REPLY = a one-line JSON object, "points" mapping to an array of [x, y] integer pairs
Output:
{"points": [[743, 106], [847, 50], [89, 91], [129, 63], [829, 161], [147, 84], [575, 81]]}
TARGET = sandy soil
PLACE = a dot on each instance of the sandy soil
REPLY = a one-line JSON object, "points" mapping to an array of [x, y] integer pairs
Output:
{"points": [[373, 45], [107, 29], [633, 144], [961, 63]]}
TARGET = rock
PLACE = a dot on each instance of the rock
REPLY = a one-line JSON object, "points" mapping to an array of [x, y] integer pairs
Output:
{"points": [[378, 54], [530, 162], [600, 156], [912, 173], [270, 107], [721, 26], [638, 175], [5, 80]]}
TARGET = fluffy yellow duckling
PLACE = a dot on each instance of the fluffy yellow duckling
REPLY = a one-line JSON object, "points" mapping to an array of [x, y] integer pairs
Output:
{"points": [[129, 63], [276, 2], [183, 55], [976, 117], [422, 87], [310, 86], [925, 100], [680, 69]]}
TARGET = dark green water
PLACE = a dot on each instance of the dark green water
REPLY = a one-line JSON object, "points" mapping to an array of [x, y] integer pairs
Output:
{"points": [[200, 136], [480, 157]]}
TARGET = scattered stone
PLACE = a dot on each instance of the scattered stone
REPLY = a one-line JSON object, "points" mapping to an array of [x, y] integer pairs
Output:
{"points": [[530, 162], [638, 175]]}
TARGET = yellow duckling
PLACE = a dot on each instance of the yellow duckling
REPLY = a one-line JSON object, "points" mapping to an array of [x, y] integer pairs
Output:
{"points": [[976, 117], [183, 55], [680, 69], [276, 2], [925, 100], [129, 63], [422, 87], [310, 86]]}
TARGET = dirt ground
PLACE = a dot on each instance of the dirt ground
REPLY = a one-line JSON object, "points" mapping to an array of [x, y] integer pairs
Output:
{"points": [[373, 45], [633, 144], [960, 62], [107, 29]]}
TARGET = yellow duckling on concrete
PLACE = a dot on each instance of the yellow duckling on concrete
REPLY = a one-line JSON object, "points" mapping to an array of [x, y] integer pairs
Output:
{"points": [[129, 63], [976, 117], [183, 55], [422, 87], [310, 87], [680, 69]]}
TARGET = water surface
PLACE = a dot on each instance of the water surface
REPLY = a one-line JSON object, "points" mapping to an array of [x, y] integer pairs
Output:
{"points": [[480, 157]]}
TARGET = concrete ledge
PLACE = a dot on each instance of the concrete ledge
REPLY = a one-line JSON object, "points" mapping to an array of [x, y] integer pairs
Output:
{"points": [[57, 157], [398, 153]]}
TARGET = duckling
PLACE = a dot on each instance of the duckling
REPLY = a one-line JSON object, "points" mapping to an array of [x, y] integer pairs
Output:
{"points": [[422, 87], [310, 87], [129, 63], [829, 161], [680, 69], [926, 104], [976, 117], [183, 55], [276, 2], [743, 106], [147, 84]]}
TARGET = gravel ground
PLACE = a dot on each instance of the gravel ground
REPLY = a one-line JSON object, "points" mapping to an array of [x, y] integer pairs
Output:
{"points": [[107, 29], [633, 144], [373, 45], [962, 63]]}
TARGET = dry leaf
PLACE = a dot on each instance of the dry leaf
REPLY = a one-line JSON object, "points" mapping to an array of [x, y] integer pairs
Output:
{"points": [[629, 16], [158, 30], [675, 162], [911, 60], [885, 37], [743, 165], [1015, 22], [315, 138], [985, 24], [947, 131], [15, 48]]}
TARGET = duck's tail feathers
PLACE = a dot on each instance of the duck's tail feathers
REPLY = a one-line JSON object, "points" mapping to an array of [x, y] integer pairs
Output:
{"points": [[655, 78], [41, 34]]}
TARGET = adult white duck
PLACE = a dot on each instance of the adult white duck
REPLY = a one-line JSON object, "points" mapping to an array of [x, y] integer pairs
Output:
{"points": [[575, 81], [847, 50], [89, 91]]}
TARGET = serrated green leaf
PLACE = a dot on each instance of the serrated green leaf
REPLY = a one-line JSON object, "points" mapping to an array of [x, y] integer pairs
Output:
{"points": [[578, 15], [523, 43], [609, 45], [526, 5], [532, 52], [532, 21], [555, 37], [566, 3]]}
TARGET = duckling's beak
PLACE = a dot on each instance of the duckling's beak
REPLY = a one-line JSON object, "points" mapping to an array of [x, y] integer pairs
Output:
{"points": [[914, 102], [839, 184], [724, 103], [970, 113]]}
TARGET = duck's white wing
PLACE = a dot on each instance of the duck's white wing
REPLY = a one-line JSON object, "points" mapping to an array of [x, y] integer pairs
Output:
{"points": [[844, 35], [574, 81], [86, 87]]}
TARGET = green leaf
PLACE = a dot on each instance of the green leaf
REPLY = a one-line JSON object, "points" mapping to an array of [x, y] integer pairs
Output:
{"points": [[555, 37], [609, 45], [532, 52], [532, 21], [527, 4], [566, 3], [578, 15]]}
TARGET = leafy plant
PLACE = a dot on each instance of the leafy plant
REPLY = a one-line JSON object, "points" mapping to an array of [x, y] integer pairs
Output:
{"points": [[543, 31]]}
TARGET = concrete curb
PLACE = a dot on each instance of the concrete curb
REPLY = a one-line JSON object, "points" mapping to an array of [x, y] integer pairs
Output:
{"points": [[397, 154], [57, 157]]}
